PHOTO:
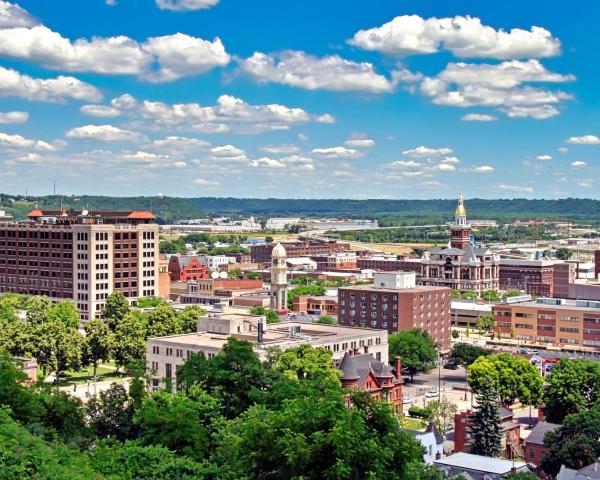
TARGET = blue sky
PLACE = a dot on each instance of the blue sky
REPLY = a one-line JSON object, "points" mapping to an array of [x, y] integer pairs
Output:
{"points": [[263, 98]]}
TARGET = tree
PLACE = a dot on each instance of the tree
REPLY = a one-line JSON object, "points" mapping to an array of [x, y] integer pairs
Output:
{"points": [[573, 386], [486, 438], [313, 290], [234, 273], [15, 337], [271, 315], [269, 239], [194, 371], [111, 414], [416, 348], [490, 296], [64, 312], [253, 275], [115, 309], [511, 293], [163, 321], [327, 320], [188, 318], [465, 353], [564, 253], [56, 347], [455, 334], [98, 343], [510, 377], [178, 422], [130, 339], [36, 310], [485, 323], [574, 443], [521, 476], [305, 362], [442, 414]]}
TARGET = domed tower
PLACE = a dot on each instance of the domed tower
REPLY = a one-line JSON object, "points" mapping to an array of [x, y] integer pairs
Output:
{"points": [[461, 231], [279, 284]]}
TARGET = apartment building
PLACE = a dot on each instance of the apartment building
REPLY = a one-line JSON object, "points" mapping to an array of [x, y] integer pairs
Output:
{"points": [[308, 248], [394, 302], [534, 277], [554, 321], [80, 255], [165, 355]]}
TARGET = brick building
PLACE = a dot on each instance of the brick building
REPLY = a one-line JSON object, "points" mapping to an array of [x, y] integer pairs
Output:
{"points": [[551, 320], [187, 267], [316, 305], [389, 263], [534, 445], [396, 303], [80, 255], [307, 248], [535, 277], [367, 374]]}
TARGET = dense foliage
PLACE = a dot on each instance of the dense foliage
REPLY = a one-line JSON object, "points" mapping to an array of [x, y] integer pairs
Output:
{"points": [[417, 349]]}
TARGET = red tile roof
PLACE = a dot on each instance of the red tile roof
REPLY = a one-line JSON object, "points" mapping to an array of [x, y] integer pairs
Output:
{"points": [[141, 215], [35, 213]]}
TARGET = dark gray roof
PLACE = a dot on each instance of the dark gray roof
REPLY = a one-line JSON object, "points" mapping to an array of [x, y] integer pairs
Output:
{"points": [[504, 412], [439, 438], [447, 251], [590, 471], [537, 434], [359, 366]]}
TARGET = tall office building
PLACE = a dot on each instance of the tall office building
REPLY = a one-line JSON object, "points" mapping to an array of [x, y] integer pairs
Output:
{"points": [[80, 255]]}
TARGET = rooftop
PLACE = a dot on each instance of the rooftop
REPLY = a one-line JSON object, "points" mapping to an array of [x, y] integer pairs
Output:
{"points": [[480, 463], [537, 434], [416, 289]]}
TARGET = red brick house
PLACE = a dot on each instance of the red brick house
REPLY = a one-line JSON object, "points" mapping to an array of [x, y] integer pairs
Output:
{"points": [[365, 373], [535, 448], [186, 267]]}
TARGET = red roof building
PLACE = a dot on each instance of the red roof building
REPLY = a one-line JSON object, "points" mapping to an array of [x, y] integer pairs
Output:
{"points": [[187, 267]]}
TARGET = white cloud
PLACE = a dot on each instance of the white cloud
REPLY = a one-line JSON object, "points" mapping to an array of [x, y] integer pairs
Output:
{"points": [[303, 137], [585, 140], [185, 5], [586, 184], [298, 69], [337, 152], [281, 149], [562, 149], [541, 112], [423, 151], [267, 163], [359, 141], [484, 169], [228, 153], [207, 183], [406, 164], [578, 164], [543, 157], [515, 188], [14, 84], [463, 36], [12, 15], [13, 117], [450, 160], [17, 141], [103, 111], [180, 143], [478, 117], [446, 167], [158, 59], [104, 133]]}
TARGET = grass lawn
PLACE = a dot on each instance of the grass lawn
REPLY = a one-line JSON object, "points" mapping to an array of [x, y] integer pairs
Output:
{"points": [[413, 423], [105, 371]]}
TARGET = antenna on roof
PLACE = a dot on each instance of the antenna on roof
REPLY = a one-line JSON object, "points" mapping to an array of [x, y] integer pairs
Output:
{"points": [[54, 186]]}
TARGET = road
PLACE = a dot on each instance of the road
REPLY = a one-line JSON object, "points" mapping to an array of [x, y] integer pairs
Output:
{"points": [[84, 391]]}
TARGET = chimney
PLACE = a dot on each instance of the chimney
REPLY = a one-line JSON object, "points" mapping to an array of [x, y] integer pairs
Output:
{"points": [[356, 351], [398, 361], [366, 349], [261, 332]]}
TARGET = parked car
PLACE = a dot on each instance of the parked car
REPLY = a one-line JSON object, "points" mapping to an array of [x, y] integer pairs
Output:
{"points": [[451, 365], [432, 392], [407, 400]]}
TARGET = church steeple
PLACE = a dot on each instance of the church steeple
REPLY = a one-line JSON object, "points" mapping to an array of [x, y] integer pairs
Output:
{"points": [[460, 214], [460, 232]]}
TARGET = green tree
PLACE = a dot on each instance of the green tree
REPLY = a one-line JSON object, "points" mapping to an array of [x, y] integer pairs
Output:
{"points": [[521, 476], [271, 315], [327, 320], [465, 353], [485, 323], [56, 347], [269, 239], [486, 437], [64, 312], [234, 273], [130, 339], [314, 290], [253, 275], [490, 296], [455, 334], [115, 309], [98, 343], [573, 386], [188, 318], [110, 414], [163, 321], [573, 444], [305, 362], [37, 308], [510, 377], [468, 295], [511, 293], [15, 337], [564, 253], [194, 371], [417, 349], [177, 421], [442, 413]]}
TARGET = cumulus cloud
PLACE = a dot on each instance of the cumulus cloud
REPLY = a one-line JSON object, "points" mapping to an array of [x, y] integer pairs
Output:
{"points": [[478, 117], [12, 15], [585, 140], [337, 152], [544, 157], [463, 36], [578, 164], [104, 133], [157, 59], [539, 112], [185, 5], [17, 141], [15, 84], [299, 69], [230, 113], [484, 169], [229, 153], [207, 183], [267, 163], [176, 143], [281, 149], [103, 111], [562, 149], [515, 188], [13, 117], [423, 151], [359, 141], [586, 184]]}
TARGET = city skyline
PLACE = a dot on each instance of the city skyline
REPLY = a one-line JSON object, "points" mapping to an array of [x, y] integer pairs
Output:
{"points": [[197, 98]]}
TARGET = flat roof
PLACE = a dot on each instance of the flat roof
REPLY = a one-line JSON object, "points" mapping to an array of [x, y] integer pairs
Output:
{"points": [[471, 306], [415, 289], [480, 463], [569, 305]]}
